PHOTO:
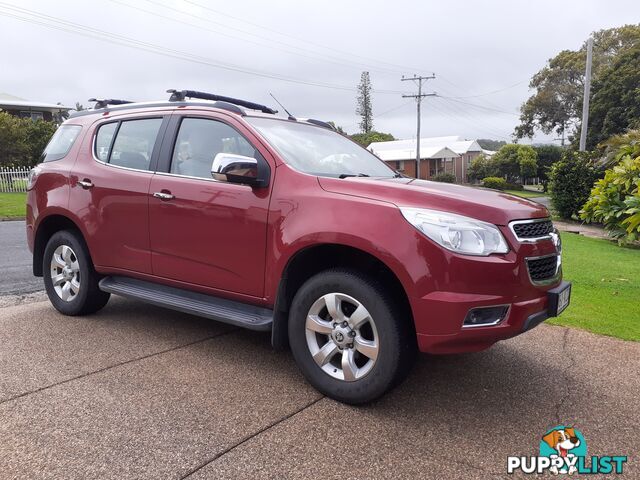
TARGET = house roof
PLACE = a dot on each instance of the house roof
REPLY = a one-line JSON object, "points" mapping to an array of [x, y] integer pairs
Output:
{"points": [[455, 143], [410, 153], [11, 102]]}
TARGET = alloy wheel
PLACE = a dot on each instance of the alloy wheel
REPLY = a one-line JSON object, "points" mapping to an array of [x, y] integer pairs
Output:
{"points": [[65, 273], [342, 337]]}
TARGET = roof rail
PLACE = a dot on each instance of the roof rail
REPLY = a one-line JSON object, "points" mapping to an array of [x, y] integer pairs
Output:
{"points": [[320, 123], [106, 102], [180, 95]]}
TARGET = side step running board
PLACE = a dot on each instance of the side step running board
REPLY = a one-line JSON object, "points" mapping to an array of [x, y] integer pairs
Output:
{"points": [[222, 310]]}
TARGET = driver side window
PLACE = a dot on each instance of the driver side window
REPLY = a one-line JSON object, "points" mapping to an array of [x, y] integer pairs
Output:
{"points": [[200, 140]]}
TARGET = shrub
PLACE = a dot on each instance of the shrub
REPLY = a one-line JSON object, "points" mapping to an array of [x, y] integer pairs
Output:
{"points": [[615, 199], [496, 183], [570, 182], [22, 140], [514, 186], [481, 167], [445, 177]]}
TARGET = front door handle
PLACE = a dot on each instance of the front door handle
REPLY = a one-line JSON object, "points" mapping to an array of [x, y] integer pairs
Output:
{"points": [[163, 195], [86, 183]]}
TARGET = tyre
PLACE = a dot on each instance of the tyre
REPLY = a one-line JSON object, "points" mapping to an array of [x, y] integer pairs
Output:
{"points": [[349, 339], [69, 277]]}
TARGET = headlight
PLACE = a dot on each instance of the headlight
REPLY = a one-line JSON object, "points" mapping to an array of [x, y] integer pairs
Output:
{"points": [[457, 233]]}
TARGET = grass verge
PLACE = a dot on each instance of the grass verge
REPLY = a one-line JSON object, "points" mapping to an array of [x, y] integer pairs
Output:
{"points": [[526, 193], [605, 296], [12, 205]]}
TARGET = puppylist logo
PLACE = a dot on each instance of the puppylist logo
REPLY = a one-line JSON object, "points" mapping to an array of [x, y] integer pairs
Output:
{"points": [[564, 450]]}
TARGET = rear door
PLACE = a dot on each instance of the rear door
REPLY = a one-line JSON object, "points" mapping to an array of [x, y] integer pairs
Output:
{"points": [[208, 232], [110, 193]]}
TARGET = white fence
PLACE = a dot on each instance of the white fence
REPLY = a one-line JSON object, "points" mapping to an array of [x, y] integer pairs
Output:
{"points": [[13, 179]]}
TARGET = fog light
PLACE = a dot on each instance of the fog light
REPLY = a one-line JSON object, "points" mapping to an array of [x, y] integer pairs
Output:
{"points": [[485, 316]]}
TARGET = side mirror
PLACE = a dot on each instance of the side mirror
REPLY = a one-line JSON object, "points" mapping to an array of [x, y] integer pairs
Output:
{"points": [[231, 168]]}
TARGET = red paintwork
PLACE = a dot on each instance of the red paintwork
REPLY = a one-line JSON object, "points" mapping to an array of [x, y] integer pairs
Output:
{"points": [[234, 241]]}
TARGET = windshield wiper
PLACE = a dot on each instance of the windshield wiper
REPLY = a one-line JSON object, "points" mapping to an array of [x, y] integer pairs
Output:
{"points": [[346, 175]]}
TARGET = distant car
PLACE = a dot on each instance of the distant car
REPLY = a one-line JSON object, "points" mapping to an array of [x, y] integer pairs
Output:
{"points": [[284, 225]]}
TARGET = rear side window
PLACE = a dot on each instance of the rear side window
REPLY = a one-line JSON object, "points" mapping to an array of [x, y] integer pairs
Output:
{"points": [[133, 144], [60, 143]]}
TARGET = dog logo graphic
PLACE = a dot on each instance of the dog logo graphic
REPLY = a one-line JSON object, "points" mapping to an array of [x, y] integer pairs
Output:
{"points": [[564, 443]]}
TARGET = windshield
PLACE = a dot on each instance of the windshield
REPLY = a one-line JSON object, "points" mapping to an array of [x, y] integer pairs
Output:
{"points": [[319, 151]]}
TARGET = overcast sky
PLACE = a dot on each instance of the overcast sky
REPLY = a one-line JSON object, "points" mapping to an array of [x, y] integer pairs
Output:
{"points": [[308, 54]]}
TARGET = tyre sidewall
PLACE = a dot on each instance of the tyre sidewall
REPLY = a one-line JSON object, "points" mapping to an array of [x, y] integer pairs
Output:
{"points": [[75, 306], [386, 369]]}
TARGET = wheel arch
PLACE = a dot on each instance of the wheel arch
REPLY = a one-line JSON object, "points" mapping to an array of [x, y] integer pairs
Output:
{"points": [[47, 227], [311, 260]]}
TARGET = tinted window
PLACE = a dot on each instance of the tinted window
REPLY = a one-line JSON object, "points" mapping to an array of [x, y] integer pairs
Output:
{"points": [[134, 143], [103, 140], [60, 143], [200, 140], [319, 151]]}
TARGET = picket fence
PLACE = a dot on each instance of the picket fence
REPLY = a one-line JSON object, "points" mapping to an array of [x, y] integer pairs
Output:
{"points": [[13, 180]]}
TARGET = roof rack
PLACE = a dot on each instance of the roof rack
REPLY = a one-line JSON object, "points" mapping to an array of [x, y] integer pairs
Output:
{"points": [[107, 101], [180, 95]]}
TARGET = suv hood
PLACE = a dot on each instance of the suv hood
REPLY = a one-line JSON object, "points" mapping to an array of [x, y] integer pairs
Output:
{"points": [[480, 203]]}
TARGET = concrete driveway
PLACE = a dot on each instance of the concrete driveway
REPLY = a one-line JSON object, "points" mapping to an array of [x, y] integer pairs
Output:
{"points": [[15, 261], [140, 392]]}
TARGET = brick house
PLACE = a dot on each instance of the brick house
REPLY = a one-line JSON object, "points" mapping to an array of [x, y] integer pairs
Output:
{"points": [[451, 154]]}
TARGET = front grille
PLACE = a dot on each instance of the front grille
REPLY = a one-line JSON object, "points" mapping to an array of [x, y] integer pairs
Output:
{"points": [[533, 229], [544, 268]]}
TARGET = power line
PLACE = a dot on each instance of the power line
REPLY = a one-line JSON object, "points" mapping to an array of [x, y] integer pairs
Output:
{"points": [[55, 23], [460, 114], [243, 38], [399, 68], [494, 91], [453, 99]]}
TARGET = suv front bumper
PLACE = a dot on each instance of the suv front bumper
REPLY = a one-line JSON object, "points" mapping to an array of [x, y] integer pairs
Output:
{"points": [[451, 308]]}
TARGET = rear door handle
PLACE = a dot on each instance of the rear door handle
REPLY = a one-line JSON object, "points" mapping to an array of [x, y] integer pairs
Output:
{"points": [[86, 183], [163, 195]]}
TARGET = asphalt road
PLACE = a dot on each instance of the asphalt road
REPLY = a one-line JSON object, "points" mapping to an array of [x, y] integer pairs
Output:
{"points": [[15, 261], [140, 392]]}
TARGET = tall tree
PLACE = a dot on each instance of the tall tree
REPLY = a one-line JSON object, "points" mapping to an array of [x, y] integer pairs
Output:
{"points": [[557, 102], [364, 108], [615, 101]]}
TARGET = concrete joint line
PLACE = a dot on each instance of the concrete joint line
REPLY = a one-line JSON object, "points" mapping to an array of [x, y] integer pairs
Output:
{"points": [[246, 438], [126, 362]]}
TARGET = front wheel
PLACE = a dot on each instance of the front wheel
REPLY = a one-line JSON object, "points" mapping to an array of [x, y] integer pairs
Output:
{"points": [[349, 339], [69, 277]]}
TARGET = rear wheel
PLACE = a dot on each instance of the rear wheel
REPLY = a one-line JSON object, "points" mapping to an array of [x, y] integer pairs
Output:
{"points": [[348, 338], [69, 278]]}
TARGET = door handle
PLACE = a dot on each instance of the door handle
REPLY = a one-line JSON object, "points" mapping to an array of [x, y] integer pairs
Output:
{"points": [[163, 195], [86, 183]]}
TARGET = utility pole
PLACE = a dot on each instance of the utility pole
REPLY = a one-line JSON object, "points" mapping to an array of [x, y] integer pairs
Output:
{"points": [[585, 100], [418, 97]]}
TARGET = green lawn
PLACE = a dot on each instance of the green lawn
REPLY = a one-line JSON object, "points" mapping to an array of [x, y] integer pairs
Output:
{"points": [[605, 296], [12, 205], [526, 193]]}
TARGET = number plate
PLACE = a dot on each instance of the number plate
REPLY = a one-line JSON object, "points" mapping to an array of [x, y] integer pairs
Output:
{"points": [[559, 299]]}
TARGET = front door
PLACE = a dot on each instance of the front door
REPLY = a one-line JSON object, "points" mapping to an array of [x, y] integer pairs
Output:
{"points": [[204, 231]]}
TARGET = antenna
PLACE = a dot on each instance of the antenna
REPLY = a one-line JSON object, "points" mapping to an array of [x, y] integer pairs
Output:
{"points": [[291, 117]]}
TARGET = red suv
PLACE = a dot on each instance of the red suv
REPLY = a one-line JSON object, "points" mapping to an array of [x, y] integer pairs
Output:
{"points": [[227, 211]]}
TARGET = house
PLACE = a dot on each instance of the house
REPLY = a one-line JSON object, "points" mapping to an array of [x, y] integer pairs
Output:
{"points": [[450, 154], [21, 107]]}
